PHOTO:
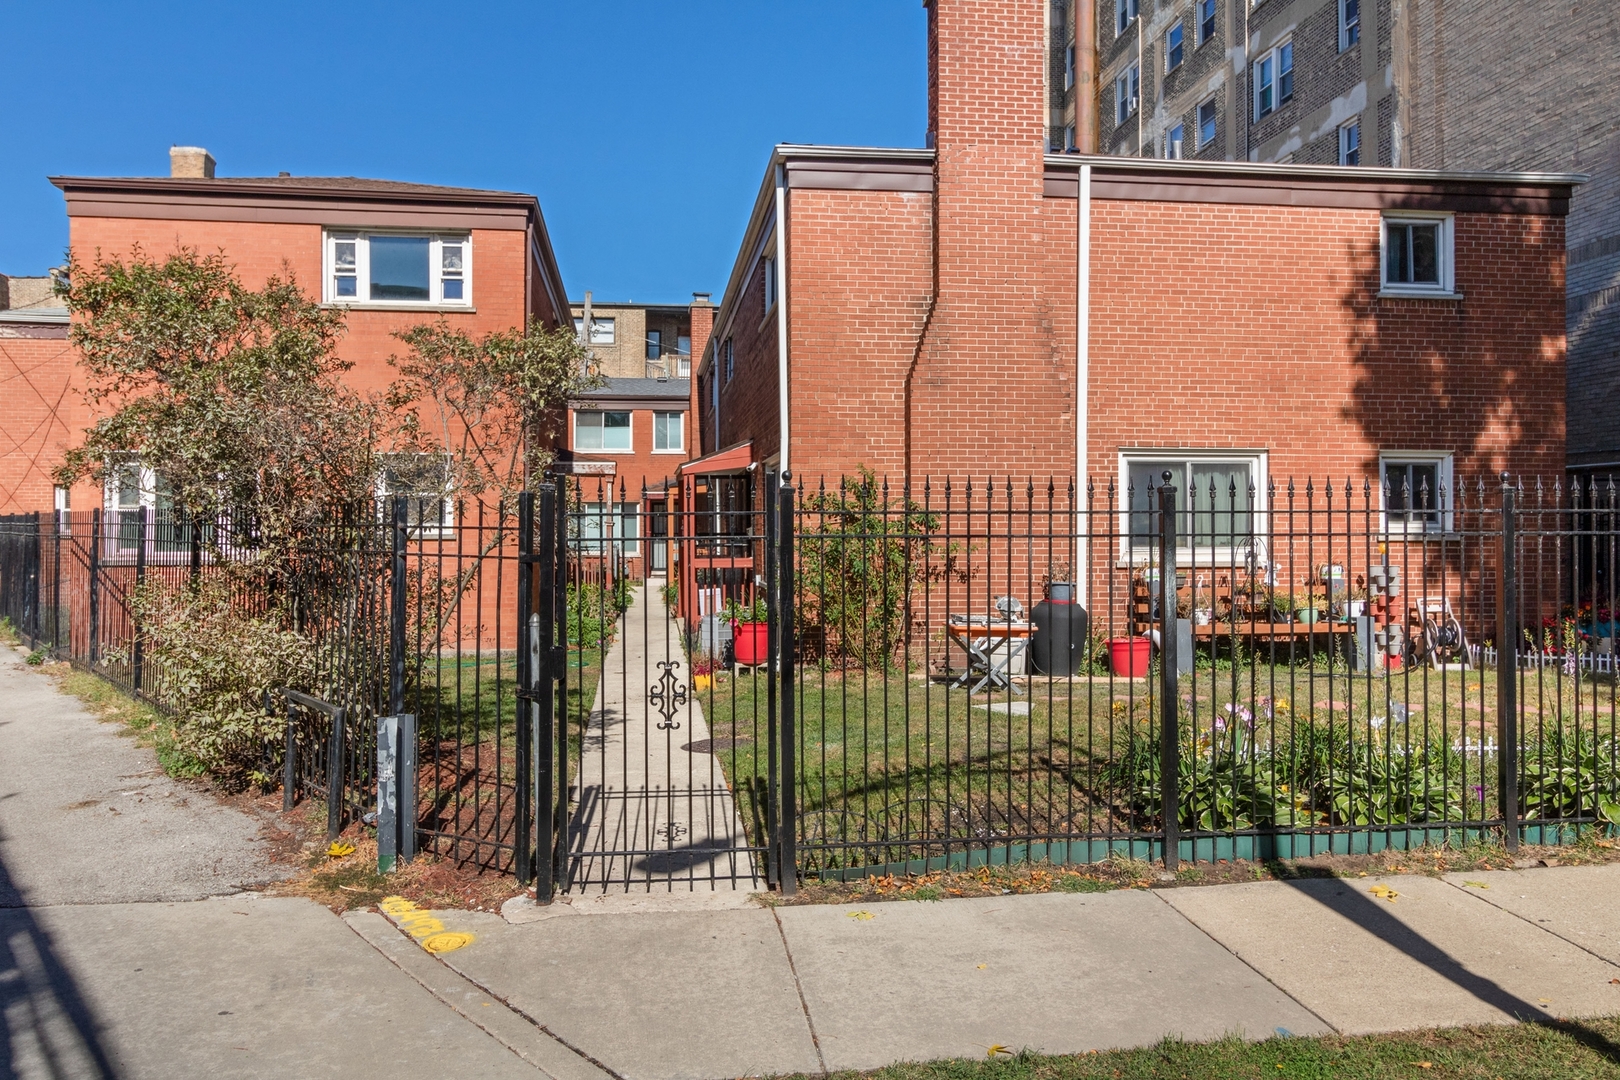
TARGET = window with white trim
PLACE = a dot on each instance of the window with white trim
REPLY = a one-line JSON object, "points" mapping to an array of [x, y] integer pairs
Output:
{"points": [[1127, 89], [398, 268], [1206, 20], [1350, 143], [1206, 123], [1416, 259], [1274, 80], [1174, 46], [669, 432], [602, 430], [1220, 498], [1125, 11], [132, 488], [63, 499], [1349, 23], [1416, 490], [1175, 142], [423, 481], [770, 282], [602, 329]]}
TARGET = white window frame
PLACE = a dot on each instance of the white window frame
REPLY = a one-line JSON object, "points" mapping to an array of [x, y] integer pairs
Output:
{"points": [[1127, 94], [1199, 10], [593, 516], [1125, 13], [1347, 26], [1178, 25], [1204, 555], [1215, 112], [630, 429], [62, 505], [1346, 133], [1274, 56], [1176, 134], [1442, 508], [680, 439], [603, 329], [445, 527], [113, 548], [1445, 288], [437, 274]]}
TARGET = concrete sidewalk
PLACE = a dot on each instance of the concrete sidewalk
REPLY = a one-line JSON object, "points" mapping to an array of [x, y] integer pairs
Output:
{"points": [[128, 949]]}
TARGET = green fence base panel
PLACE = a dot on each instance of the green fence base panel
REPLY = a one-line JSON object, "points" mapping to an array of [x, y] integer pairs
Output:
{"points": [[1259, 847]]}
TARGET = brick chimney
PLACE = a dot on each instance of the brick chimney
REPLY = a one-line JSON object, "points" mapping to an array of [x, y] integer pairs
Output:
{"points": [[702, 313], [190, 163], [989, 390]]}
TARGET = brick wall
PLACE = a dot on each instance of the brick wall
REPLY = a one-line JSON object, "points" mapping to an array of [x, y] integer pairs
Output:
{"points": [[43, 414], [989, 336], [748, 399]]}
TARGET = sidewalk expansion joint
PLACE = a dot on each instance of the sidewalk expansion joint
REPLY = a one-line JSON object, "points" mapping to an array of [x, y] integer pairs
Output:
{"points": [[1539, 926], [809, 1021], [470, 987], [1244, 961]]}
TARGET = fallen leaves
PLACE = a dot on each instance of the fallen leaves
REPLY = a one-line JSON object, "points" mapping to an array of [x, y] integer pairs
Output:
{"points": [[996, 1049], [863, 916], [340, 849], [1475, 885], [1384, 892]]}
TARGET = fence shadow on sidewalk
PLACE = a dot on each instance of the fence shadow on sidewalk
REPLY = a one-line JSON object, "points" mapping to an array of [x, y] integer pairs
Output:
{"points": [[47, 1028], [1371, 916]]}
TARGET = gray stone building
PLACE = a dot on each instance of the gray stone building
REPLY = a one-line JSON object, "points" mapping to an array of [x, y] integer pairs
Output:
{"points": [[1439, 84]]}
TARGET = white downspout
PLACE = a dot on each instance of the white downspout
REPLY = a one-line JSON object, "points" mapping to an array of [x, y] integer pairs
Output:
{"points": [[1082, 378], [782, 428]]}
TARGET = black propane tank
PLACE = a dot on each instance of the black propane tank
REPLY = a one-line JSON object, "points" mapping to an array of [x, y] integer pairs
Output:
{"points": [[1061, 625]]}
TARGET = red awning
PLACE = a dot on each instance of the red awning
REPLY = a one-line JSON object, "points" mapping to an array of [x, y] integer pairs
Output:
{"points": [[734, 460]]}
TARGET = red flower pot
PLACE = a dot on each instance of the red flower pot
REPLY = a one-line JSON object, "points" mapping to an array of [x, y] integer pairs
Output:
{"points": [[750, 642], [1129, 657]]}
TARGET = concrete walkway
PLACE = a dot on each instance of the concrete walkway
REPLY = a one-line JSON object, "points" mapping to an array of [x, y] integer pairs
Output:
{"points": [[653, 811], [108, 968]]}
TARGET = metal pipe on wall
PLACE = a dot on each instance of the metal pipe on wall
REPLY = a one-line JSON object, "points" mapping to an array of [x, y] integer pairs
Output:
{"points": [[1082, 370]]}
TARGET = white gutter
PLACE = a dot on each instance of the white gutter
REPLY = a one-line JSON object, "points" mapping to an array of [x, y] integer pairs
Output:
{"points": [[782, 322], [1082, 376]]}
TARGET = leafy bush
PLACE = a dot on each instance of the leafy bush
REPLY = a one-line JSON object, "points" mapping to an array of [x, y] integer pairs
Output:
{"points": [[217, 662], [593, 612], [860, 555]]}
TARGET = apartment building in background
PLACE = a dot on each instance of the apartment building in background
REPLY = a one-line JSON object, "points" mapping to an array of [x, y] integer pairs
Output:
{"points": [[390, 254], [639, 341], [1456, 85]]}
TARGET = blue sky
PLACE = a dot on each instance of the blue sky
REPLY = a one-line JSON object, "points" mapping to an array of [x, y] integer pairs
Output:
{"points": [[643, 125]]}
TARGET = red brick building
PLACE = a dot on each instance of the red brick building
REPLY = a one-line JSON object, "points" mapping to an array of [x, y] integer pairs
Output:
{"points": [[391, 254], [983, 307]]}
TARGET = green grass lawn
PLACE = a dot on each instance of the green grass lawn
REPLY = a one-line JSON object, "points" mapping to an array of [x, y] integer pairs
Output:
{"points": [[1576, 1050]]}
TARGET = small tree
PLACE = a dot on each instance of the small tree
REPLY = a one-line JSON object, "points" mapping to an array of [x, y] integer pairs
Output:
{"points": [[233, 396], [494, 405]]}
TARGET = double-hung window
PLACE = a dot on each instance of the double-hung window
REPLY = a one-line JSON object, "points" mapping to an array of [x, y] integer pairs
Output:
{"points": [[1206, 20], [683, 356], [1206, 123], [602, 430], [398, 268], [770, 282], [1068, 69], [1274, 80], [655, 344], [1349, 23], [1350, 143], [1174, 46], [1416, 490], [1220, 501], [1417, 255], [668, 432], [1127, 88], [602, 329], [1175, 142], [1124, 12]]}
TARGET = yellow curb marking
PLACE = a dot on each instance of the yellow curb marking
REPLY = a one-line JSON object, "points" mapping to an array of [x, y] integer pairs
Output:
{"points": [[427, 930]]}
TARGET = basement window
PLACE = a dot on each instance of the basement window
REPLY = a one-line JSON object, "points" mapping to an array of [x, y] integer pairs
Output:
{"points": [[398, 268], [423, 482], [1416, 491], [1220, 499]]}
